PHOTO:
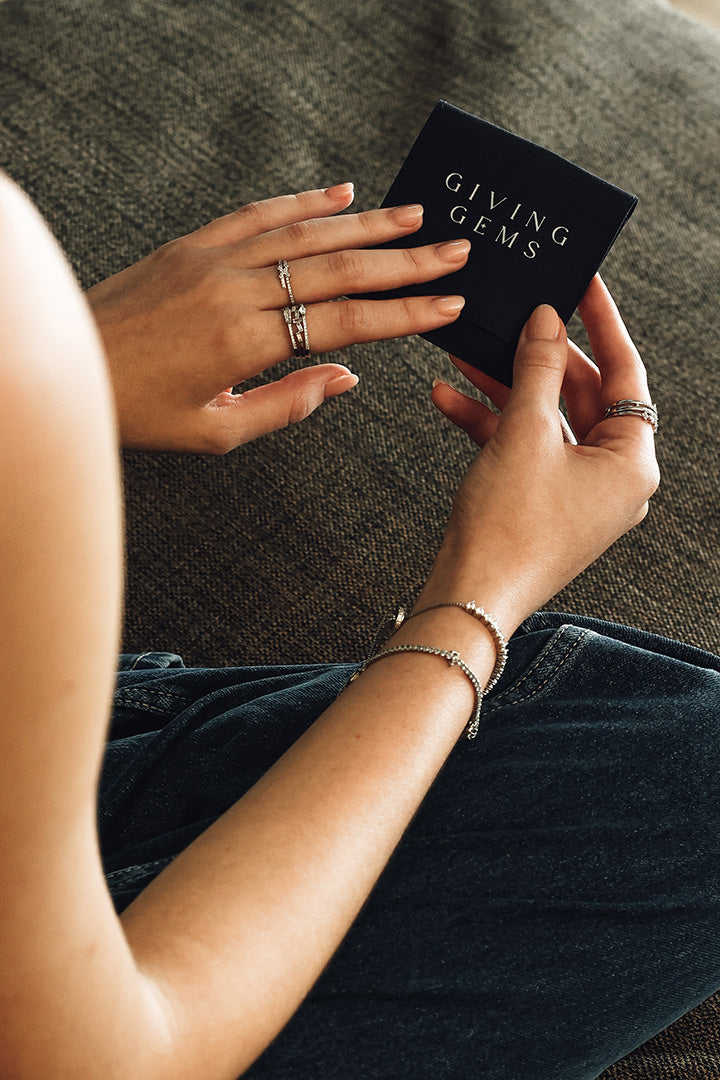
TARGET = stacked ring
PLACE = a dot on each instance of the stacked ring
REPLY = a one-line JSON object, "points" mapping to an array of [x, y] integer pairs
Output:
{"points": [[294, 315], [629, 407]]}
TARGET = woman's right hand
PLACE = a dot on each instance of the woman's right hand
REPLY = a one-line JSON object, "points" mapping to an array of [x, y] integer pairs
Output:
{"points": [[534, 510]]}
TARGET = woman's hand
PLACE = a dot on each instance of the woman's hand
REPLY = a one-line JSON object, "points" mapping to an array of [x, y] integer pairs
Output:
{"points": [[204, 313], [534, 510]]}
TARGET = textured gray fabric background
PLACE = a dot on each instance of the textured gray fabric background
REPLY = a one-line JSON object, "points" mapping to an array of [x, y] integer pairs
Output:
{"points": [[130, 123]]}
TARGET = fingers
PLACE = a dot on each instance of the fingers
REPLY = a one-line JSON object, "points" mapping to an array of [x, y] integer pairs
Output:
{"points": [[339, 323], [325, 277], [263, 338], [239, 418], [315, 236], [581, 391], [260, 217], [539, 375], [623, 372], [539, 369], [465, 412], [496, 391], [623, 376]]}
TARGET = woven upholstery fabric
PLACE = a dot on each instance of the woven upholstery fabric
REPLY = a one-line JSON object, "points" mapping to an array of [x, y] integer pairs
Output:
{"points": [[131, 123]]}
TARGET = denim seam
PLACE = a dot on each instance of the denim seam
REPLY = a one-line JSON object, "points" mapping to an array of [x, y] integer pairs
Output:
{"points": [[127, 696], [155, 706], [507, 697], [144, 867]]}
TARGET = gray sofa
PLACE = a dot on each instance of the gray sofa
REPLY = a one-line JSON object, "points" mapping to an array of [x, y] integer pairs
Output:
{"points": [[131, 123]]}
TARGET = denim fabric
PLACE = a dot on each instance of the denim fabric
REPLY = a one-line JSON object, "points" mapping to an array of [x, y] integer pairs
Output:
{"points": [[556, 900]]}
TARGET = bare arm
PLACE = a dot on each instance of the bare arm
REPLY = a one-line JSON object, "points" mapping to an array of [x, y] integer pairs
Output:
{"points": [[210, 961]]}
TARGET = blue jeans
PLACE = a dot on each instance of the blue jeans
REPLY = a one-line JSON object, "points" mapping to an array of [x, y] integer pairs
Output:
{"points": [[556, 900]]}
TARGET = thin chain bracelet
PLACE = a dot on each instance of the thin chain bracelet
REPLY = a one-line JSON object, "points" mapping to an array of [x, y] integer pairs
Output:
{"points": [[501, 649], [453, 660]]}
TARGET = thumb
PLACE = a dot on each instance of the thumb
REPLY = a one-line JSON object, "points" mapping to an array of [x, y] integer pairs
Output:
{"points": [[277, 404], [540, 361]]}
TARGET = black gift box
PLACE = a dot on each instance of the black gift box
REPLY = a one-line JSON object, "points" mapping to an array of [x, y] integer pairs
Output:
{"points": [[540, 227]]}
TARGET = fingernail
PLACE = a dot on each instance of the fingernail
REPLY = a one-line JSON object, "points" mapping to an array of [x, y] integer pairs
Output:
{"points": [[341, 192], [437, 382], [453, 250], [449, 305], [407, 215], [340, 384], [544, 323]]}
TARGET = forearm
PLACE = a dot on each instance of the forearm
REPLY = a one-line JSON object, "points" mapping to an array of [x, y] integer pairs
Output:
{"points": [[236, 931], [211, 960]]}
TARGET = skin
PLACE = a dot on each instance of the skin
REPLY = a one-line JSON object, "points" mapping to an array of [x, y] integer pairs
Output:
{"points": [[206, 966], [208, 309]]}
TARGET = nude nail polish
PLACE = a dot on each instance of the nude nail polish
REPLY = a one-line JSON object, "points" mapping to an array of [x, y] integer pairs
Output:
{"points": [[453, 250], [449, 305], [341, 192], [406, 216], [544, 323]]}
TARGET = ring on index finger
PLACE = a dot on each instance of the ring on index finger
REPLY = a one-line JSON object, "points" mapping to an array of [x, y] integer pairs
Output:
{"points": [[630, 407]]}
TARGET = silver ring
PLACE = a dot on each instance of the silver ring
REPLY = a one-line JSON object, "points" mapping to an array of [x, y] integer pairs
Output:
{"points": [[284, 274], [295, 318], [629, 407]]}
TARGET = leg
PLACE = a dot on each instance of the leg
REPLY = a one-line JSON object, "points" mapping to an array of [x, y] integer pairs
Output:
{"points": [[557, 900]]}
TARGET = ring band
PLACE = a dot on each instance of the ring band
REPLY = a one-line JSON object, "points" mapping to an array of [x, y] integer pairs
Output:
{"points": [[629, 407], [295, 318], [294, 315], [284, 274]]}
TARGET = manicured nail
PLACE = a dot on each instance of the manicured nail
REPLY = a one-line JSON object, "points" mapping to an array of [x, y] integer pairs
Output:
{"points": [[407, 215], [340, 384], [341, 192], [544, 323], [449, 305], [453, 250]]}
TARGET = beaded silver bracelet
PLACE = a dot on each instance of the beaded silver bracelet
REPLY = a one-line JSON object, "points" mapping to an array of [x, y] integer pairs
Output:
{"points": [[453, 659], [479, 613]]}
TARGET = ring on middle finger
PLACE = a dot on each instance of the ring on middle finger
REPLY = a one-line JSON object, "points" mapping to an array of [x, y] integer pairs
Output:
{"points": [[284, 274]]}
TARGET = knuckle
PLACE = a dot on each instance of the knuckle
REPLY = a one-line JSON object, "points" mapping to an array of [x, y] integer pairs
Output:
{"points": [[548, 354], [253, 214], [412, 260], [642, 481], [302, 233], [347, 265], [230, 335], [216, 440], [652, 479], [299, 407], [367, 222], [408, 309], [352, 316], [168, 257], [221, 444], [640, 514]]}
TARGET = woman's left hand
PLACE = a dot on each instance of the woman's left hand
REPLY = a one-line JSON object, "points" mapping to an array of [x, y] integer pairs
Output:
{"points": [[204, 313]]}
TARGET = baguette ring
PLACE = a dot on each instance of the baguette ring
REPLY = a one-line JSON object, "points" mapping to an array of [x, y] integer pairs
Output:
{"points": [[296, 321]]}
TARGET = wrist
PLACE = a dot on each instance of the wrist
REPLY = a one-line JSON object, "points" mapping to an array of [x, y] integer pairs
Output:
{"points": [[452, 630], [483, 579]]}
